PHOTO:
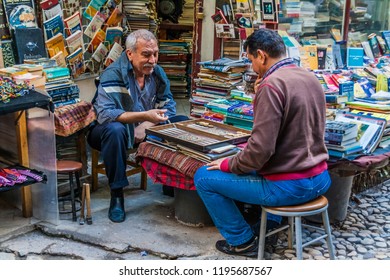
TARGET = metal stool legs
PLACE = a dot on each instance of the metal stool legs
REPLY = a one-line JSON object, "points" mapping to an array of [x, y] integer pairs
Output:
{"points": [[295, 223], [325, 220]]}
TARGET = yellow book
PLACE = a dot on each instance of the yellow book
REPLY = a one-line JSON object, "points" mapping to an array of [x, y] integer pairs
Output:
{"points": [[55, 45], [98, 38], [309, 59], [12, 71]]}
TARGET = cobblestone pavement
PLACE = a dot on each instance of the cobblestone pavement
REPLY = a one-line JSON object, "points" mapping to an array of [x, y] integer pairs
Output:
{"points": [[153, 233], [365, 233]]}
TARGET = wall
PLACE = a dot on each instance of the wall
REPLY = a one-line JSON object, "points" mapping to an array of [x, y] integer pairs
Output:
{"points": [[87, 88], [207, 31]]}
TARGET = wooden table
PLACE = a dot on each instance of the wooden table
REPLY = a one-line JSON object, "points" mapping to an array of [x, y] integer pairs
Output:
{"points": [[18, 107]]}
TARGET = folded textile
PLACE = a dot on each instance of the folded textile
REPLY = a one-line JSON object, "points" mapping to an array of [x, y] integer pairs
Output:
{"points": [[163, 174], [184, 164], [71, 118]]}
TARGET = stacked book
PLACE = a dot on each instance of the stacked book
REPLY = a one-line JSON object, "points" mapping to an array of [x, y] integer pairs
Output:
{"points": [[141, 14], [241, 116], [174, 58], [341, 138], [187, 17], [60, 87], [216, 79]]}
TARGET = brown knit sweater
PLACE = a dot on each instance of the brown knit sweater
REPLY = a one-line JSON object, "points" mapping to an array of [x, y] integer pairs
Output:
{"points": [[289, 124]]}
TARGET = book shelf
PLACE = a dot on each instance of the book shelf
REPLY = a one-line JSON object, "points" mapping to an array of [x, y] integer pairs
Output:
{"points": [[175, 40]]}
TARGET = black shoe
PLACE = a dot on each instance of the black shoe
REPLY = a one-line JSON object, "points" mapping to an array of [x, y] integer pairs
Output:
{"points": [[271, 225], [117, 213], [247, 250], [168, 190]]}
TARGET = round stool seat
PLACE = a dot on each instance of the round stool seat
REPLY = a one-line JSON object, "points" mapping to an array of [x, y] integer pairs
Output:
{"points": [[312, 205], [66, 166]]}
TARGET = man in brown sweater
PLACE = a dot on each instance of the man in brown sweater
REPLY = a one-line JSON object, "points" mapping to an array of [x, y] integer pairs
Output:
{"points": [[284, 162]]}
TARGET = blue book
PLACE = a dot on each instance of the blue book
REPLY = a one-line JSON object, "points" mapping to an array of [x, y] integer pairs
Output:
{"points": [[355, 57], [53, 26], [386, 37]]}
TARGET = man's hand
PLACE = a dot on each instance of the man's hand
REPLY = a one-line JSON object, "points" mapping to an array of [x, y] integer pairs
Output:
{"points": [[156, 115], [139, 131], [215, 165]]}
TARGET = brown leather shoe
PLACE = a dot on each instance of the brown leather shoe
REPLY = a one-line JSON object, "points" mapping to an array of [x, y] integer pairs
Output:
{"points": [[248, 250]]}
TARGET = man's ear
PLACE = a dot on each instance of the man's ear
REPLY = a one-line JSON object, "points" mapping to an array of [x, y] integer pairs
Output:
{"points": [[129, 54]]}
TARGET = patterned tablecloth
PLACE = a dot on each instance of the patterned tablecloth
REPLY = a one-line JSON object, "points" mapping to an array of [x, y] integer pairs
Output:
{"points": [[168, 167]]}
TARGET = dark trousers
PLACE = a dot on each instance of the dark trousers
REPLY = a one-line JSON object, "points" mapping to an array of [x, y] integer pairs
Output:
{"points": [[111, 140]]}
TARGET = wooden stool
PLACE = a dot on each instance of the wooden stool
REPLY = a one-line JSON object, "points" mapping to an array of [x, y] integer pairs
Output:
{"points": [[98, 168], [294, 214], [70, 167]]}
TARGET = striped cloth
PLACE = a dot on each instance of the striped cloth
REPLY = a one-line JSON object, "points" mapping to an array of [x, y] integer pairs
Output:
{"points": [[185, 165], [71, 118]]}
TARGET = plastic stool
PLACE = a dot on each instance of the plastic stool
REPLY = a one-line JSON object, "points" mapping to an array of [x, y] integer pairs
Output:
{"points": [[70, 167], [294, 214]]}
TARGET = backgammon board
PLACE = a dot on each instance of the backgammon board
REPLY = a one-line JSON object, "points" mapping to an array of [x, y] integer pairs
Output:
{"points": [[200, 134]]}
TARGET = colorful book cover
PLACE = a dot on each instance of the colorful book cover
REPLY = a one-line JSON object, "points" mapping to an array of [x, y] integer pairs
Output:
{"points": [[28, 44], [321, 55], [56, 72], [113, 34], [95, 24], [114, 54], [367, 50], [76, 62], [100, 53], [60, 59], [75, 41], [115, 18], [53, 26], [386, 37], [51, 8], [56, 44], [374, 44], [355, 57], [99, 37], [336, 34], [366, 86], [73, 23], [92, 8], [20, 13]]}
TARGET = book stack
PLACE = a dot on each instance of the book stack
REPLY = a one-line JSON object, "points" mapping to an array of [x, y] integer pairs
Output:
{"points": [[60, 87], [341, 138], [231, 48], [174, 58], [33, 77], [187, 17], [241, 115], [216, 79], [141, 14]]}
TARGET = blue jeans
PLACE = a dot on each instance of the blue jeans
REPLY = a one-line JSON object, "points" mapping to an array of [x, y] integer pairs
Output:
{"points": [[218, 191]]}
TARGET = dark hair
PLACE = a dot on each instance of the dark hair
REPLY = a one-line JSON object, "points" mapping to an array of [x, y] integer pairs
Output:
{"points": [[266, 40]]}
